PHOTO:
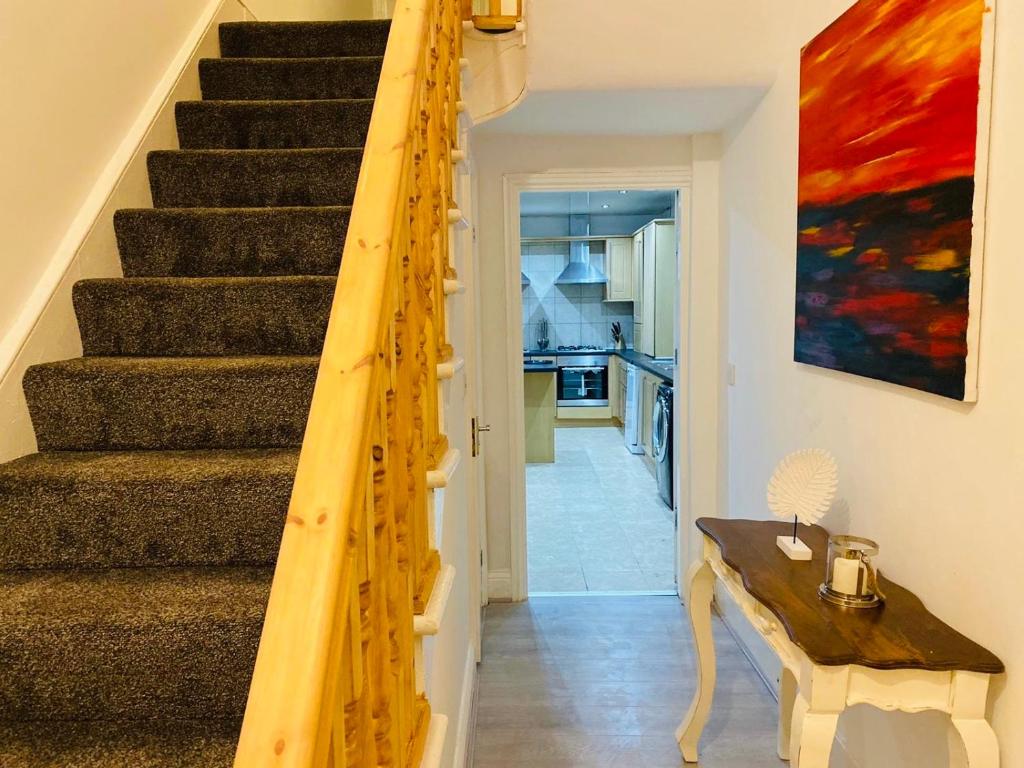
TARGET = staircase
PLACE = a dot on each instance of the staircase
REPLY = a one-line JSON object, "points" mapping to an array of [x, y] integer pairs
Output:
{"points": [[138, 546]]}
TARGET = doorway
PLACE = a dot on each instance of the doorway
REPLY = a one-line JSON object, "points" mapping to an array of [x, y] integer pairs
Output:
{"points": [[598, 413]]}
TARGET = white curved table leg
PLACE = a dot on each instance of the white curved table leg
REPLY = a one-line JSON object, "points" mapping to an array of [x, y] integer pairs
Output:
{"points": [[701, 592], [787, 701], [796, 728], [979, 741], [970, 693], [817, 732]]}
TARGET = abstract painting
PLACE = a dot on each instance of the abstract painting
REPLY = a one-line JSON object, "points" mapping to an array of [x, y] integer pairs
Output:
{"points": [[894, 110]]}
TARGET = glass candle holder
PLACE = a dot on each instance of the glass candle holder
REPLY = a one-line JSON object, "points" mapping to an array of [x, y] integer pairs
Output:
{"points": [[850, 577]]}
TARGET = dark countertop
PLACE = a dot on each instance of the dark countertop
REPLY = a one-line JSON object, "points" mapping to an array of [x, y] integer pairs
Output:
{"points": [[541, 368], [646, 362], [638, 359]]}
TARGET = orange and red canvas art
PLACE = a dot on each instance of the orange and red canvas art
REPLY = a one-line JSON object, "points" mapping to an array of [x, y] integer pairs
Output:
{"points": [[894, 107]]}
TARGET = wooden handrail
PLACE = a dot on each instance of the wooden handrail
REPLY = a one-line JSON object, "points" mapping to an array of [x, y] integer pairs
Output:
{"points": [[334, 682]]}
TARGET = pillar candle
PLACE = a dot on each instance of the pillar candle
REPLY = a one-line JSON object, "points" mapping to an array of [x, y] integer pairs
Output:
{"points": [[845, 575]]}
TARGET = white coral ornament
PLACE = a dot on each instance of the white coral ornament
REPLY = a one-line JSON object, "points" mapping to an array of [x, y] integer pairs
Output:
{"points": [[804, 485], [803, 488]]}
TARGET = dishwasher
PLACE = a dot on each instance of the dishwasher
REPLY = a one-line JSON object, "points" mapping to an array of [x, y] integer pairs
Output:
{"points": [[632, 412]]}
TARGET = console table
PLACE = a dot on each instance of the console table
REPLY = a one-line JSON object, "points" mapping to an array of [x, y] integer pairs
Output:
{"points": [[895, 657]]}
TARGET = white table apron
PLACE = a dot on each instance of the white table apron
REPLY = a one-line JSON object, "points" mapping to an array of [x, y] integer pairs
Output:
{"points": [[812, 696]]}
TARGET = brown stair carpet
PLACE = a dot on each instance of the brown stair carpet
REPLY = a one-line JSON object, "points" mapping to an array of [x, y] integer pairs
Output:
{"points": [[138, 545]]}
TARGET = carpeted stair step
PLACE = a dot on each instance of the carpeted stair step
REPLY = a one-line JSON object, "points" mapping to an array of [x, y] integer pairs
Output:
{"points": [[109, 744], [225, 242], [170, 403], [97, 509], [319, 78], [304, 39], [189, 317], [138, 643], [228, 178], [273, 124]]}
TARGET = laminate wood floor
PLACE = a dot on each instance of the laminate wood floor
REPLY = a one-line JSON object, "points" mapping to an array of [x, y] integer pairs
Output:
{"points": [[602, 682]]}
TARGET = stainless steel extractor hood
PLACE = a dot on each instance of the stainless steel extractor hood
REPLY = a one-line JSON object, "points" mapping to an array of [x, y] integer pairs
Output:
{"points": [[579, 270]]}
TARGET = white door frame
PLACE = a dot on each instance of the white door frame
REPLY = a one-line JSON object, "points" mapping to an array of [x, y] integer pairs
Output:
{"points": [[675, 178]]}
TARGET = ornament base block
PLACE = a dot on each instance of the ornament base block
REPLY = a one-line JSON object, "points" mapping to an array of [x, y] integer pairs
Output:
{"points": [[795, 550]]}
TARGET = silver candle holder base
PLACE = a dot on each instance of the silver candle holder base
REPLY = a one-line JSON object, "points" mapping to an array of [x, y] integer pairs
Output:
{"points": [[848, 601], [851, 580]]}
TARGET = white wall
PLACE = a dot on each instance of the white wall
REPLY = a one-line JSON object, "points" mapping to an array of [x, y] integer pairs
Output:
{"points": [[450, 657], [935, 482], [42, 324], [656, 45], [317, 10], [496, 155], [74, 82]]}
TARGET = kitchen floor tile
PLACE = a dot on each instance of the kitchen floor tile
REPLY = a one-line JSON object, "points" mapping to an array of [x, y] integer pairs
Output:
{"points": [[595, 517], [615, 581]]}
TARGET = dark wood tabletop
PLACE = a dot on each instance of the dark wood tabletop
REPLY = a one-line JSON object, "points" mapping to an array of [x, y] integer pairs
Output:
{"points": [[900, 634]]}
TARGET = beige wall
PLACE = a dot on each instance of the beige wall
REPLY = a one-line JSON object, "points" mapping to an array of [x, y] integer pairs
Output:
{"points": [[43, 325], [74, 83], [451, 655], [313, 10], [496, 155], [656, 45], [935, 482]]}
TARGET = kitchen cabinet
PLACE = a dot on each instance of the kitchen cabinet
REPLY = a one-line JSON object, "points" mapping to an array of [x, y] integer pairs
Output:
{"points": [[617, 389], [658, 290], [570, 415], [613, 387], [638, 283], [539, 393], [619, 269]]}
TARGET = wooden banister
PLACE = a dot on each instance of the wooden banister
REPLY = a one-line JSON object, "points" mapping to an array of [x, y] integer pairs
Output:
{"points": [[334, 682]]}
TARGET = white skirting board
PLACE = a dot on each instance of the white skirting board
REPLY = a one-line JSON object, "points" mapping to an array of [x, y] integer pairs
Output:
{"points": [[499, 585], [463, 728]]}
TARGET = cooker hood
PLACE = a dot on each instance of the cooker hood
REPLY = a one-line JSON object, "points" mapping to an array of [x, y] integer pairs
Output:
{"points": [[579, 270]]}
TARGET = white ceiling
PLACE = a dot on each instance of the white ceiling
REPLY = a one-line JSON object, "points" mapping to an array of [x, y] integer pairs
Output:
{"points": [[633, 203], [634, 112], [609, 45]]}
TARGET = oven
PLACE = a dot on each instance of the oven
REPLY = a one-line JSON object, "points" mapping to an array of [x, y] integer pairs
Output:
{"points": [[582, 380]]}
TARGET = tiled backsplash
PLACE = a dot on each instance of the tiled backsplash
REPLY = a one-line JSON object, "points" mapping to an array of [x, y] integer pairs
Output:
{"points": [[576, 314]]}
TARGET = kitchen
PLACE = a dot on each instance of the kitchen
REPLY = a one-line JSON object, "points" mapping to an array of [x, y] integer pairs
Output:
{"points": [[599, 282]]}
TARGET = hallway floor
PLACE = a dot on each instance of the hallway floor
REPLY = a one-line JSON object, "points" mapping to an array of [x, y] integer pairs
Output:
{"points": [[603, 682], [595, 521]]}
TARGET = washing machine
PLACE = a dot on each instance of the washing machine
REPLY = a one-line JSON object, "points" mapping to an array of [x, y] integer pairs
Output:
{"points": [[661, 442]]}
